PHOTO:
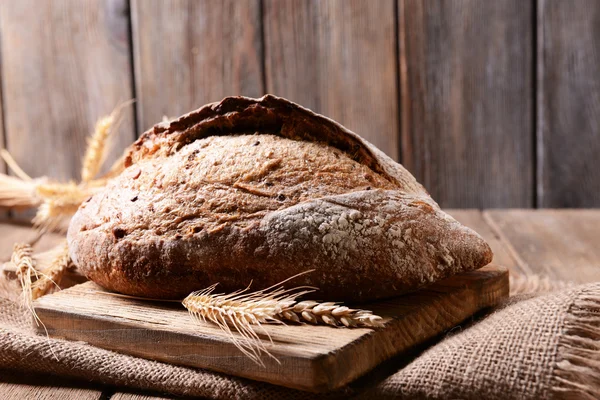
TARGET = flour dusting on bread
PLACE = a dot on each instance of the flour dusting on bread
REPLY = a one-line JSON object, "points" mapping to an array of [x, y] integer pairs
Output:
{"points": [[263, 189]]}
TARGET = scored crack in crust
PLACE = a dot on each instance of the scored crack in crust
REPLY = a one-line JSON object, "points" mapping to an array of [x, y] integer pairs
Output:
{"points": [[230, 180], [262, 189]]}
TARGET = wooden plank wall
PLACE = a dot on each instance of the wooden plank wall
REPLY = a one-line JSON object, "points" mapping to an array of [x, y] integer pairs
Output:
{"points": [[65, 63], [467, 100], [488, 103], [568, 119]]}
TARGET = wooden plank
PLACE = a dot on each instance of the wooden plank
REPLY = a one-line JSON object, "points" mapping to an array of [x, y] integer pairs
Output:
{"points": [[568, 129], [466, 100], [337, 58], [560, 244], [11, 233], [65, 63], [192, 52], [3, 166], [474, 220], [16, 385], [314, 358]]}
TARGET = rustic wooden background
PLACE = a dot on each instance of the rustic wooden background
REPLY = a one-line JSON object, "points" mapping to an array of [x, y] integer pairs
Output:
{"points": [[489, 103]]}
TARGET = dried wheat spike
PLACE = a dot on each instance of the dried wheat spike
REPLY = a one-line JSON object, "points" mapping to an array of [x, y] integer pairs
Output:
{"points": [[52, 212], [57, 261], [333, 314], [26, 273], [242, 311], [99, 143], [54, 190], [96, 149]]}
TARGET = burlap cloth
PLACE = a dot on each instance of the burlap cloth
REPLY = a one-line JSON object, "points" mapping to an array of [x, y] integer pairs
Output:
{"points": [[536, 346]]}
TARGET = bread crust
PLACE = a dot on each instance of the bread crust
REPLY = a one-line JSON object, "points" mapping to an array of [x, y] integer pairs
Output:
{"points": [[311, 195]]}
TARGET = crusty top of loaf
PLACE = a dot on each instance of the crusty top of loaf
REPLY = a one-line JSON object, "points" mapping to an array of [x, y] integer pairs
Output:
{"points": [[267, 115], [261, 190], [232, 180]]}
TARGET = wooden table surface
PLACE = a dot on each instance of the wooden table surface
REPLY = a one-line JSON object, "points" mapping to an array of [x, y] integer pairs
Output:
{"points": [[560, 244]]}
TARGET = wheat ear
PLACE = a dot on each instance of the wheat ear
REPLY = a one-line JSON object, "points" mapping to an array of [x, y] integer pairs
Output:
{"points": [[96, 148], [99, 143], [243, 310], [52, 212], [330, 313], [22, 259], [53, 265]]}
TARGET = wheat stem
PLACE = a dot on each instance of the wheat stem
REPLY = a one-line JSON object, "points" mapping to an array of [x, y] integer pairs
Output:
{"points": [[16, 193], [12, 164]]}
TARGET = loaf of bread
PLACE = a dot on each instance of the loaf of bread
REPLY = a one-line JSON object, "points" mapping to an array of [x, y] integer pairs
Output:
{"points": [[260, 190]]}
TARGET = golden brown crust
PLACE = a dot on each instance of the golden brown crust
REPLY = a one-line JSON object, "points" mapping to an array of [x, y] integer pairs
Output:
{"points": [[261, 190]]}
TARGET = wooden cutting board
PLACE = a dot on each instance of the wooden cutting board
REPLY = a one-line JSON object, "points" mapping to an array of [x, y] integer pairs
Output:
{"points": [[313, 358]]}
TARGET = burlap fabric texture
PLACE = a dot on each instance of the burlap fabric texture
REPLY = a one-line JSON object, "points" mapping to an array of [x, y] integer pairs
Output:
{"points": [[539, 346]]}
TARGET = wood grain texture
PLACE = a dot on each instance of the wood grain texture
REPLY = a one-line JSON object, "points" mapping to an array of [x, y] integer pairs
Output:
{"points": [[137, 396], [314, 358], [568, 129], [466, 100], [474, 219], [192, 52], [65, 63], [562, 245], [3, 166], [337, 58], [18, 386], [11, 233]]}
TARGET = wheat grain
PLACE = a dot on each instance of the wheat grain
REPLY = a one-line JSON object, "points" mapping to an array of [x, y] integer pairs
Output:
{"points": [[333, 314], [52, 266], [242, 311]]}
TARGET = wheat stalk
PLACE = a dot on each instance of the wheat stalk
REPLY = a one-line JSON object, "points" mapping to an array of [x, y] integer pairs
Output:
{"points": [[17, 194], [243, 311], [13, 165]]}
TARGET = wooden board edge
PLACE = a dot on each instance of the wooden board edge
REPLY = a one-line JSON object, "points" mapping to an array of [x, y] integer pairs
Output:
{"points": [[328, 371], [334, 366], [84, 322]]}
